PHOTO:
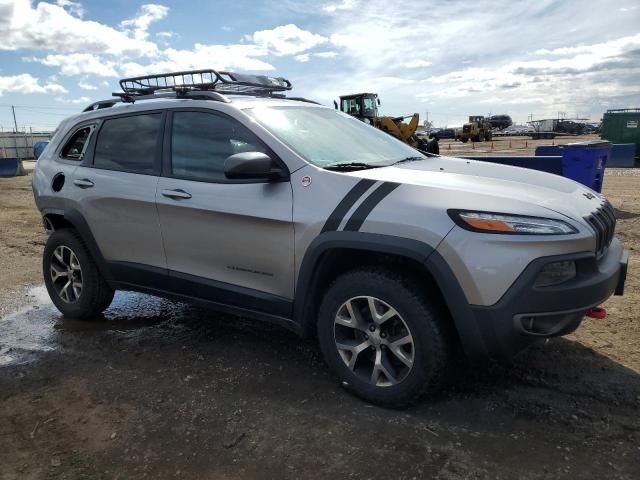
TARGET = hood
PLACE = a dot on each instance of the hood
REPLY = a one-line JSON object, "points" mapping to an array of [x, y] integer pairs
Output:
{"points": [[546, 190]]}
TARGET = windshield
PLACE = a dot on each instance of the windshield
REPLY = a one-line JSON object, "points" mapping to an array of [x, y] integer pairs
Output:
{"points": [[325, 137]]}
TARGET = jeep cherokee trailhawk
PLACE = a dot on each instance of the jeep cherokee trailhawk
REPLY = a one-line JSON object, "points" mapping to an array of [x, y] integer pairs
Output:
{"points": [[215, 187]]}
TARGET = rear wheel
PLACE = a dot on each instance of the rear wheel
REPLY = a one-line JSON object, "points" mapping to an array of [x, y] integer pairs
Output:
{"points": [[71, 276], [382, 338]]}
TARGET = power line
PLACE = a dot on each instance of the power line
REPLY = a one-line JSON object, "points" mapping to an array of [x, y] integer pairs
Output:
{"points": [[38, 106], [24, 109]]}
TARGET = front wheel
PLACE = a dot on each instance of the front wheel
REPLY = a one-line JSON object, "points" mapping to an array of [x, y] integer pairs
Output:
{"points": [[383, 339], [71, 276]]}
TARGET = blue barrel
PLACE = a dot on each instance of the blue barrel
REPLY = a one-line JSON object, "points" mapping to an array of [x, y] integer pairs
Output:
{"points": [[38, 148], [9, 167], [585, 162]]}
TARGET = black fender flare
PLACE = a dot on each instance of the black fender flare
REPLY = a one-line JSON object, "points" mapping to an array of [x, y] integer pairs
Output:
{"points": [[454, 297], [76, 219]]}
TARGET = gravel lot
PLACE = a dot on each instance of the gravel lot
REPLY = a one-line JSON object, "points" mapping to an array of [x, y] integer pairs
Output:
{"points": [[158, 389]]}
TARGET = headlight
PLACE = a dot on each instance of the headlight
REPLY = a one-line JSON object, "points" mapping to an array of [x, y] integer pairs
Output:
{"points": [[509, 224], [555, 273]]}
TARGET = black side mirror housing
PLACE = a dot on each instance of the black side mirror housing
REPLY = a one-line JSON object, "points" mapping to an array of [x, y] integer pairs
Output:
{"points": [[252, 166], [335, 104]]}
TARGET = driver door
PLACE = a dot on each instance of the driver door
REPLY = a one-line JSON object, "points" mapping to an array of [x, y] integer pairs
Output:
{"points": [[227, 240]]}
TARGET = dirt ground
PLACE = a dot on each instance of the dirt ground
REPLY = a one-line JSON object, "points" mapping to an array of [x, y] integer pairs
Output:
{"points": [[158, 389]]}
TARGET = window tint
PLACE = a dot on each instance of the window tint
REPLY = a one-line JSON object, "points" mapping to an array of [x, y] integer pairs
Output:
{"points": [[75, 147], [128, 143], [201, 142]]}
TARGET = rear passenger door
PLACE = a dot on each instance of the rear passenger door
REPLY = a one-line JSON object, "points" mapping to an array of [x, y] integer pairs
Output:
{"points": [[117, 188], [231, 241]]}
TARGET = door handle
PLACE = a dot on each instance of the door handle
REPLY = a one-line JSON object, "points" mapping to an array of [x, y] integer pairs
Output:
{"points": [[83, 183], [176, 194]]}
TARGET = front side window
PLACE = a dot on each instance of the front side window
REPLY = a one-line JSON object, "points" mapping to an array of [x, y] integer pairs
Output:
{"points": [[129, 143], [201, 142], [351, 106], [369, 106], [325, 137], [75, 147]]}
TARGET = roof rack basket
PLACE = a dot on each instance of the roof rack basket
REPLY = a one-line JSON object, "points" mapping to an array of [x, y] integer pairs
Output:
{"points": [[202, 80]]}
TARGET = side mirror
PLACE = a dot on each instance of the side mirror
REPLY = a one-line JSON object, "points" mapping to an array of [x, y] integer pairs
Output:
{"points": [[252, 166], [378, 101], [335, 104]]}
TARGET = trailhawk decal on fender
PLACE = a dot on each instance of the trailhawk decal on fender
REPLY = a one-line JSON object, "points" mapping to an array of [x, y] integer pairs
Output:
{"points": [[364, 209]]}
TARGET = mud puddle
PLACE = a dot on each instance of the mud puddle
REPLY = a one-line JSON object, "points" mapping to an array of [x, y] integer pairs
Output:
{"points": [[39, 327]]}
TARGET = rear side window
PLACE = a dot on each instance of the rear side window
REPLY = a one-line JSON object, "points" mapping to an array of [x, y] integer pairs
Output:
{"points": [[75, 147], [128, 143], [201, 142]]}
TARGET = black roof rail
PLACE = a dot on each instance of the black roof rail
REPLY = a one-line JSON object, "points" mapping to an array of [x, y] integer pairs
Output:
{"points": [[101, 104]]}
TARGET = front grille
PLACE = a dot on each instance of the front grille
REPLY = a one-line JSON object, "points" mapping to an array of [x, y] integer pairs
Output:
{"points": [[603, 222]]}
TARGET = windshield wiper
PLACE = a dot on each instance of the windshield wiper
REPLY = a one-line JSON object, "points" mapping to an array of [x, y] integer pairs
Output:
{"points": [[350, 166], [408, 159]]}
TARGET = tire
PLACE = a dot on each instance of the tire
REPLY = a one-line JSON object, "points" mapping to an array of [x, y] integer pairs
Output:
{"points": [[88, 295], [426, 323], [464, 140]]}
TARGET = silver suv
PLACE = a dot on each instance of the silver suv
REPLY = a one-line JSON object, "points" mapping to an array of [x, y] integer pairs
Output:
{"points": [[215, 187]]}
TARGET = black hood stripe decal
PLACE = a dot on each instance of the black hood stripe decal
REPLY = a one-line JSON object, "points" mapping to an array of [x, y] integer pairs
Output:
{"points": [[334, 220], [368, 204]]}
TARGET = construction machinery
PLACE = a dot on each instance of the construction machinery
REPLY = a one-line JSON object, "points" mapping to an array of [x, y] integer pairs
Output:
{"points": [[364, 106], [477, 129]]}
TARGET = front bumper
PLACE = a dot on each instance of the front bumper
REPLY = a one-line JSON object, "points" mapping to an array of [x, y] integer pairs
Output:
{"points": [[526, 313]]}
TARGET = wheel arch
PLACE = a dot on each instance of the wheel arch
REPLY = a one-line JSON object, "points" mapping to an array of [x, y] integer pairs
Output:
{"points": [[333, 253], [55, 219]]}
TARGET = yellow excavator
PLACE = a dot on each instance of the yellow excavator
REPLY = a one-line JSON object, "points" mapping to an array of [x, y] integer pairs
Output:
{"points": [[364, 106]]}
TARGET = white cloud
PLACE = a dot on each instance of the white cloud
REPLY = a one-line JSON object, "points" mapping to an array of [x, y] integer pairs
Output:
{"points": [[326, 54], [165, 34], [611, 48], [74, 8], [581, 65], [79, 64], [224, 57], [343, 5], [417, 64], [73, 100], [139, 25], [305, 57], [26, 83], [287, 40], [86, 86], [50, 27]]}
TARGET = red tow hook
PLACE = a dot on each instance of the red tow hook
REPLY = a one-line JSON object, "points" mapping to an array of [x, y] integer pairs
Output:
{"points": [[598, 313]]}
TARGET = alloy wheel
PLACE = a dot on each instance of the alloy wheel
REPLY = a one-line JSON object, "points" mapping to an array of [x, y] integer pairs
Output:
{"points": [[66, 274], [374, 341]]}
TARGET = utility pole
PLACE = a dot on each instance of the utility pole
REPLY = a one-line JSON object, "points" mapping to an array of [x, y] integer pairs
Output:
{"points": [[15, 123], [15, 135]]}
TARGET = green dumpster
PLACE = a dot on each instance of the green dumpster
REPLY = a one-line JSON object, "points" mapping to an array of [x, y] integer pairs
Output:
{"points": [[622, 126]]}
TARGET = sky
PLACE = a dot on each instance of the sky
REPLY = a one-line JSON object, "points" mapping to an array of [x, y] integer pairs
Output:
{"points": [[450, 58]]}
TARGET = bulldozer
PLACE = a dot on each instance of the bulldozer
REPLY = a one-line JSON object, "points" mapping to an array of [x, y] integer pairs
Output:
{"points": [[364, 106], [477, 129]]}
